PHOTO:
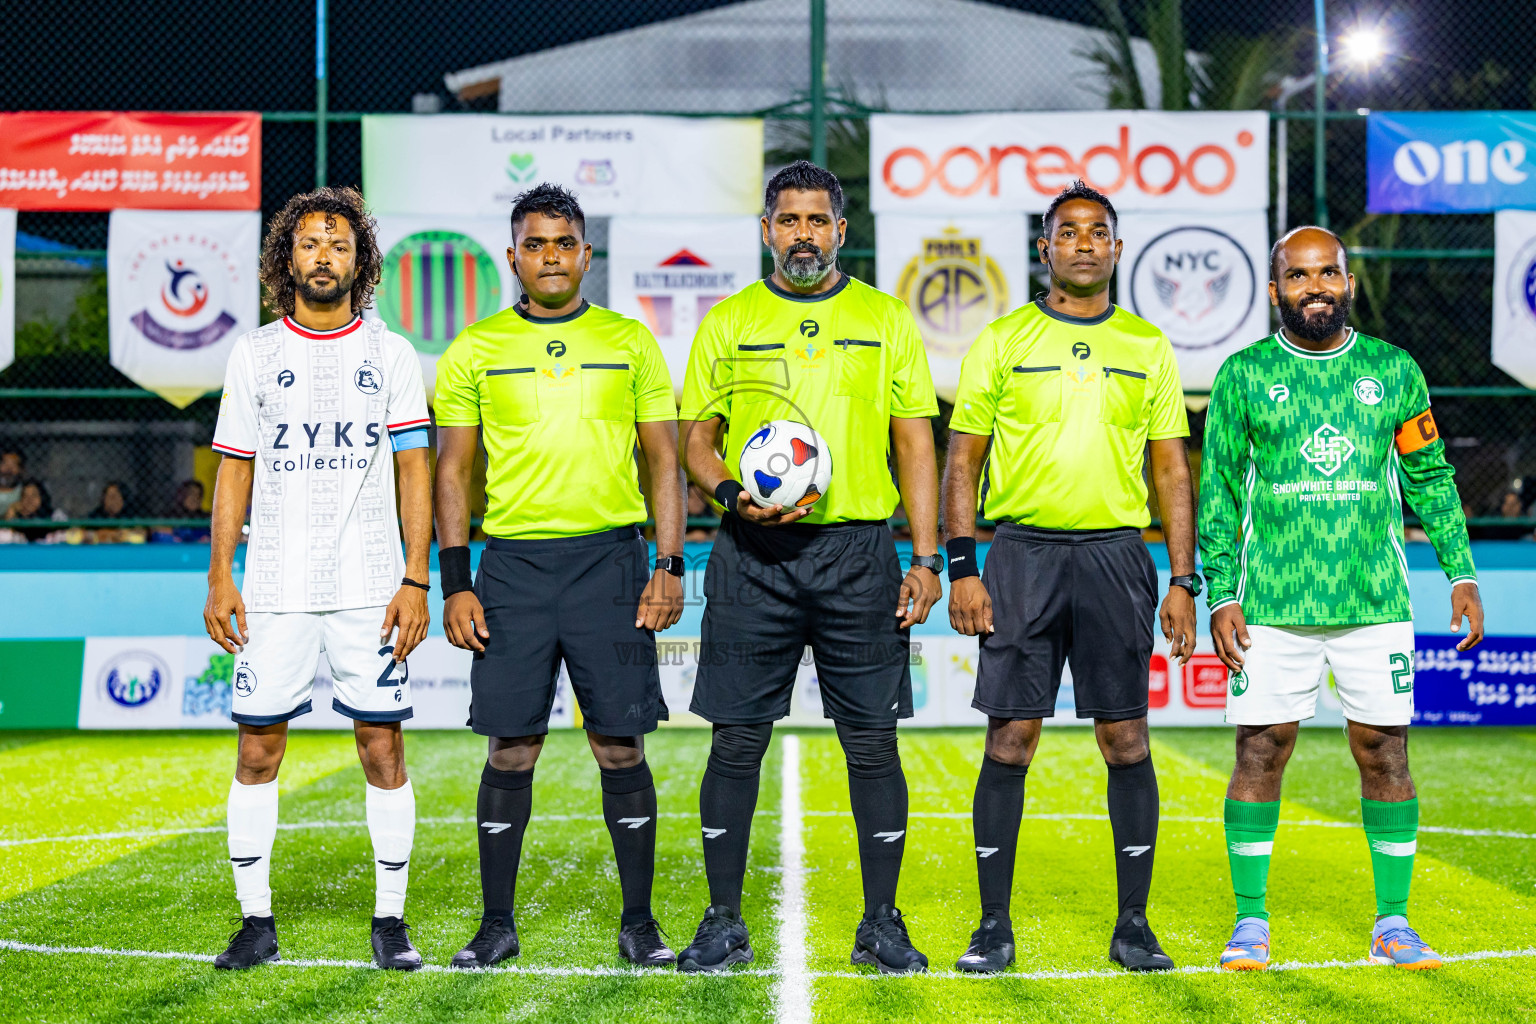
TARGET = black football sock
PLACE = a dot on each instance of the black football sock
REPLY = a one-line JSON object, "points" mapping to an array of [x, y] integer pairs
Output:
{"points": [[996, 811], [877, 791], [727, 798], [502, 812], [629, 808], [1133, 809]]}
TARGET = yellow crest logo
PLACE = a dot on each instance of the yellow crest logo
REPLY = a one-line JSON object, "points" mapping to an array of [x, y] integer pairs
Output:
{"points": [[953, 289], [808, 356], [559, 375]]}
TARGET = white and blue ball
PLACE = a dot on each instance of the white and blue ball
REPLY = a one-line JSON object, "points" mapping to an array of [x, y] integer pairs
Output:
{"points": [[786, 463]]}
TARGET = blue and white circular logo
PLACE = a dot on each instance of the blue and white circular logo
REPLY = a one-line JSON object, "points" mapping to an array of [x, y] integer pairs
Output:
{"points": [[368, 379], [245, 681], [134, 678], [1520, 286]]}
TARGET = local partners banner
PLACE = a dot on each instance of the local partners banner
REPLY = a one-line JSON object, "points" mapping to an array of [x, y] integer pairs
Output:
{"points": [[956, 275], [1203, 278], [181, 287], [7, 287], [1514, 294], [476, 164], [667, 272], [440, 275], [1467, 161]]}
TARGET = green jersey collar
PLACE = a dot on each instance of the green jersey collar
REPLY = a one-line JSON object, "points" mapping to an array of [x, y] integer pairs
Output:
{"points": [[818, 297], [1079, 321], [551, 320], [1297, 350]]}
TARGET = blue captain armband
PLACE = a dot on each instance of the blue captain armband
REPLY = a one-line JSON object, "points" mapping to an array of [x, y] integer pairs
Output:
{"points": [[408, 439]]}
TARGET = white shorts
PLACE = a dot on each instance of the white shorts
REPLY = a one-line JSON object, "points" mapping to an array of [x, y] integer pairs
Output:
{"points": [[1372, 672], [275, 673]]}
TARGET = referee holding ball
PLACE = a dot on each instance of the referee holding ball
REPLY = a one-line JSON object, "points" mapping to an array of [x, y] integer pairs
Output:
{"points": [[1069, 392], [561, 391]]}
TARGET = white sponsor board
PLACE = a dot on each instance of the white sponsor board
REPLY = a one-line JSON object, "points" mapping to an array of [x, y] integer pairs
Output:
{"points": [[7, 287], [956, 275], [181, 287], [1143, 160], [1202, 278], [475, 164], [667, 272], [1514, 294]]}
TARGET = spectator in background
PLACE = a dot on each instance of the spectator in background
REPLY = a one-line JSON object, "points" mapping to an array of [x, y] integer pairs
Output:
{"points": [[698, 508], [188, 505], [1510, 507], [12, 465], [34, 503], [114, 505]]}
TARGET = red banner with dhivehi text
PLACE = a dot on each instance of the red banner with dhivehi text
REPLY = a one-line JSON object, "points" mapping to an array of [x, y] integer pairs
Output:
{"points": [[102, 160]]}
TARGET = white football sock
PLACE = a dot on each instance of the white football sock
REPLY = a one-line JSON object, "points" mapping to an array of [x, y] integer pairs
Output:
{"points": [[392, 826], [252, 827]]}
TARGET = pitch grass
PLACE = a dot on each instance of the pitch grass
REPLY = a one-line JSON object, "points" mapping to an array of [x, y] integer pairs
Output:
{"points": [[173, 893]]}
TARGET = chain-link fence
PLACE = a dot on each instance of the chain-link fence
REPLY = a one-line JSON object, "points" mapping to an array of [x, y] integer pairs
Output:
{"points": [[815, 70]]}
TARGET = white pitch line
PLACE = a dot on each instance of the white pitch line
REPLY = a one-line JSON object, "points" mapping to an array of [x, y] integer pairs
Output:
{"points": [[793, 990]]}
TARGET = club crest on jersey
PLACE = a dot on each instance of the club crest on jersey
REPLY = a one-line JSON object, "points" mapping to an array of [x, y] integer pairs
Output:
{"points": [[1279, 392], [368, 379], [810, 356], [245, 681], [1369, 390], [1327, 449]]}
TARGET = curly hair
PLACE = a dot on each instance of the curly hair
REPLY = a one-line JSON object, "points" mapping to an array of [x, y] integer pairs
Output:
{"points": [[277, 283]]}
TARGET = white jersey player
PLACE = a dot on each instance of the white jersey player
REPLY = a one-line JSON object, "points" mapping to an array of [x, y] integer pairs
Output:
{"points": [[318, 408]]}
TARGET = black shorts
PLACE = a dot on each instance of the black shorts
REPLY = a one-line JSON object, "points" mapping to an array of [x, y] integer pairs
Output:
{"points": [[1084, 596], [771, 591], [571, 599]]}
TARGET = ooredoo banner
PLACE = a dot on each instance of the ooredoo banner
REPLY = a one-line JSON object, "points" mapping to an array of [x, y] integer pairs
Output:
{"points": [[1514, 294], [1464, 161], [956, 275], [104, 160], [7, 287], [1143, 160], [476, 164], [181, 287], [1202, 278], [667, 272]]}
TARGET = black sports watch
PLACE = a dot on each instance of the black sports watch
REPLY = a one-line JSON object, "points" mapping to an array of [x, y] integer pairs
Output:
{"points": [[1192, 583], [671, 563], [933, 563]]}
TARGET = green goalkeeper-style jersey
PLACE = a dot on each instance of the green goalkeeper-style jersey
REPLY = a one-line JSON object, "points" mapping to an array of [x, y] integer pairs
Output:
{"points": [[1307, 459]]}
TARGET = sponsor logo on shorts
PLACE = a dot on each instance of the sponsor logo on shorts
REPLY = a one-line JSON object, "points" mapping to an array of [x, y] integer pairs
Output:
{"points": [[1239, 683], [245, 680]]}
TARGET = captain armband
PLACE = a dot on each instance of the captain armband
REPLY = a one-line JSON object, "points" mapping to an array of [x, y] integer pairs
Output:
{"points": [[1418, 432]]}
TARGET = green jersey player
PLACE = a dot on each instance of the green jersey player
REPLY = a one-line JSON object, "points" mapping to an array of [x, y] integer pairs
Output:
{"points": [[1314, 437]]}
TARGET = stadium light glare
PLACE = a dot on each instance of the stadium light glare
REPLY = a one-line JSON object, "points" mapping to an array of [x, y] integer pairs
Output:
{"points": [[1363, 46]]}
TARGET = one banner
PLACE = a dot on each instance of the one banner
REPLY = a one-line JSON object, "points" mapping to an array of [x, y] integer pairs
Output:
{"points": [[1143, 160], [1493, 684], [181, 287], [956, 275], [1514, 294], [1467, 161], [440, 275], [668, 271], [475, 164], [1202, 278], [101, 160], [7, 287]]}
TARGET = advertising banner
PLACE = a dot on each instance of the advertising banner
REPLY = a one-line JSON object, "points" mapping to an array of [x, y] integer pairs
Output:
{"points": [[667, 272], [1466, 161], [7, 287], [104, 160], [956, 275], [1492, 684], [440, 275], [475, 164], [1143, 160], [1514, 294], [1202, 278], [181, 287]]}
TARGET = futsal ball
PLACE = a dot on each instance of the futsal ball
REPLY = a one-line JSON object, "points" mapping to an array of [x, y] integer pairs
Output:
{"points": [[786, 463]]}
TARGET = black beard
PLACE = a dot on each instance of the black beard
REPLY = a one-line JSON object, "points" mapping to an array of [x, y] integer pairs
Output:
{"points": [[327, 295], [1314, 328], [804, 264]]}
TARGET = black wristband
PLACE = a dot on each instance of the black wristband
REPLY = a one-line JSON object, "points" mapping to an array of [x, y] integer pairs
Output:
{"points": [[406, 581], [962, 558], [727, 493], [454, 564]]}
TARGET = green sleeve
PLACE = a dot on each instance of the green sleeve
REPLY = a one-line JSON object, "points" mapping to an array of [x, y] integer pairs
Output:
{"points": [[912, 393], [1168, 418], [977, 395], [1224, 463], [653, 385], [706, 385], [457, 399], [1429, 482]]}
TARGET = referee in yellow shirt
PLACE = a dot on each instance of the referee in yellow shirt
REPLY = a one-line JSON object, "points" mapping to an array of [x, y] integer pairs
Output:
{"points": [[1058, 405], [813, 345], [561, 391]]}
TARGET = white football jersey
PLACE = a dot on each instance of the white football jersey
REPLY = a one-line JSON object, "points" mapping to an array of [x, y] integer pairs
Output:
{"points": [[315, 410]]}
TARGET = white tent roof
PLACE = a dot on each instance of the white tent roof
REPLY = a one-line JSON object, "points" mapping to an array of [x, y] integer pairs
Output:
{"points": [[909, 55]]}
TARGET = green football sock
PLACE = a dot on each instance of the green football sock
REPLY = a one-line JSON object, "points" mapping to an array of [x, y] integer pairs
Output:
{"points": [[1250, 840], [1392, 829]]}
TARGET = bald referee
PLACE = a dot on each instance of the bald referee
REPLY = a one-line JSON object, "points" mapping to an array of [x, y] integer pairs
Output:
{"points": [[561, 392], [1070, 392]]}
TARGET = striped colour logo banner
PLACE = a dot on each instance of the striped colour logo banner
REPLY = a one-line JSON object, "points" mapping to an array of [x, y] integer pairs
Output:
{"points": [[434, 284]]}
